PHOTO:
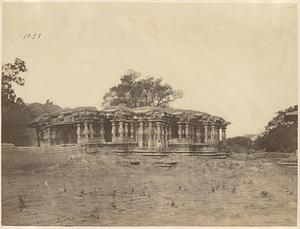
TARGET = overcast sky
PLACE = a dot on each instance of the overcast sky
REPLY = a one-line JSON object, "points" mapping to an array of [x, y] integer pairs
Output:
{"points": [[237, 61]]}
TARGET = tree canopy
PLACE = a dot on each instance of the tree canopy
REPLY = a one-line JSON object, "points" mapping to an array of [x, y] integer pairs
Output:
{"points": [[10, 75], [134, 92]]}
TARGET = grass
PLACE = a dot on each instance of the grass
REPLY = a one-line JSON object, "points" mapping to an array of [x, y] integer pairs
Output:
{"points": [[134, 190]]}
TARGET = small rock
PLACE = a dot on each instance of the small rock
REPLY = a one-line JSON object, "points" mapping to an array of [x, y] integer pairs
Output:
{"points": [[264, 193]]}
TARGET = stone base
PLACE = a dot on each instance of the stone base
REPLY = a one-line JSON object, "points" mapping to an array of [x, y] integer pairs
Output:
{"points": [[133, 147], [109, 146], [193, 147]]}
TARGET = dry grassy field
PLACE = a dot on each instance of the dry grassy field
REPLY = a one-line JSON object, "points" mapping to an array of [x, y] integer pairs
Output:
{"points": [[130, 189]]}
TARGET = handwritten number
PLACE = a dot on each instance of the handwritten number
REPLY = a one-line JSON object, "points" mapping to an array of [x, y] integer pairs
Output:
{"points": [[33, 36]]}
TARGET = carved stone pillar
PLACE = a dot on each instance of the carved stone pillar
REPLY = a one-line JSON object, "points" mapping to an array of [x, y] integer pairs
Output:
{"points": [[78, 132], [131, 131], [163, 135], [205, 134], [169, 132], [158, 134], [52, 135], [179, 131], [121, 131], [198, 135], [136, 132], [45, 136], [86, 130], [113, 131], [213, 134], [38, 137], [195, 134], [187, 131], [218, 135], [92, 131], [49, 136], [224, 135], [102, 132], [150, 135], [141, 133], [166, 136], [126, 131]]}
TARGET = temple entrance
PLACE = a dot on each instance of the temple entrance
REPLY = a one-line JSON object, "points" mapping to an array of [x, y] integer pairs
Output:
{"points": [[107, 131], [174, 130]]}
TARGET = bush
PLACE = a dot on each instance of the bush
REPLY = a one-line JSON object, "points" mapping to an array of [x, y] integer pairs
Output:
{"points": [[240, 141], [279, 134]]}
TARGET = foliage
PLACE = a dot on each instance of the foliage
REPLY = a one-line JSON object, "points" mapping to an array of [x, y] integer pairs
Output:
{"points": [[132, 92], [10, 74], [38, 109], [14, 123], [279, 134], [15, 113], [240, 141]]}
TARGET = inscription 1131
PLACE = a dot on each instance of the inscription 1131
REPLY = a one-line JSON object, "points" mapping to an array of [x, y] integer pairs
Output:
{"points": [[32, 36]]}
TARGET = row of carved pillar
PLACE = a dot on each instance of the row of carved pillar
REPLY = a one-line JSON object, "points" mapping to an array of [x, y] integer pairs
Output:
{"points": [[86, 132], [200, 134], [122, 131], [47, 136], [153, 134], [150, 134], [146, 133]]}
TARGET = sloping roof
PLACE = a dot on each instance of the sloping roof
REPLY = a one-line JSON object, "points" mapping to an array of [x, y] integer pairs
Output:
{"points": [[120, 110], [117, 108], [63, 111], [292, 113]]}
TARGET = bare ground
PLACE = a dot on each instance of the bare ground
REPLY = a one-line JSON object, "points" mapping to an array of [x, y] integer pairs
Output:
{"points": [[131, 189]]}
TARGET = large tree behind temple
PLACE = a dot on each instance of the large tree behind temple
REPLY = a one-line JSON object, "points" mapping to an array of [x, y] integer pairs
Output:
{"points": [[133, 92]]}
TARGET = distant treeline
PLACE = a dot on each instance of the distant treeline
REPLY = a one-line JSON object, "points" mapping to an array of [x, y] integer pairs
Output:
{"points": [[16, 115], [15, 120], [280, 134]]}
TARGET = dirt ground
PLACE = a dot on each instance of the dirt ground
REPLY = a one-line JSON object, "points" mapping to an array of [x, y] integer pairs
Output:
{"points": [[133, 190]]}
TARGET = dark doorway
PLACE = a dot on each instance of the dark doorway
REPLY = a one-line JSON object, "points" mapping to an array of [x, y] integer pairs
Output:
{"points": [[107, 130]]}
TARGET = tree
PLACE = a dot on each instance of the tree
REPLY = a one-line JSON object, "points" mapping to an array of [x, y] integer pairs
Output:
{"points": [[132, 92], [10, 74], [279, 134], [14, 112], [38, 109]]}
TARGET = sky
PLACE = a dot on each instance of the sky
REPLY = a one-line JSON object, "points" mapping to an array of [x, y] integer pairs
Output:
{"points": [[237, 61]]}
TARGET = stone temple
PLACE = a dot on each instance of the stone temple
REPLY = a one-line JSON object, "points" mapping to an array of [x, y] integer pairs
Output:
{"points": [[138, 129]]}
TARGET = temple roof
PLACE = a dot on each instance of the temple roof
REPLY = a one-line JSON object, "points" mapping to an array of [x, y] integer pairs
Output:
{"points": [[125, 111], [292, 113]]}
